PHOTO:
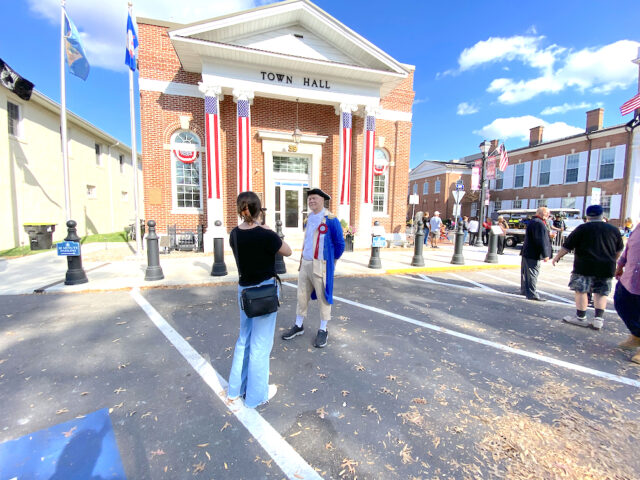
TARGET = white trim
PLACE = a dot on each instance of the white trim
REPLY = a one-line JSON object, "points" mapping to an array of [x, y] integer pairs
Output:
{"points": [[170, 88], [288, 137], [394, 115]]}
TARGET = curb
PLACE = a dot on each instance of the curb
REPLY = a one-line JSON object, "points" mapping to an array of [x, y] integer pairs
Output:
{"points": [[449, 268]]}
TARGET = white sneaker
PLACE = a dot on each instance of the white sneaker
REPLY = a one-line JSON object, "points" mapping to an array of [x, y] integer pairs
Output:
{"points": [[575, 320], [597, 323], [273, 389]]}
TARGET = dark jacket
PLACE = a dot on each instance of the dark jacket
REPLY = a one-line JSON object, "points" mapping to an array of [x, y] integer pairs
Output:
{"points": [[537, 244]]}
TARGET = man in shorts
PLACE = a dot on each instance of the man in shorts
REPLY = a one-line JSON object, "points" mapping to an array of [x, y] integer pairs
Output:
{"points": [[596, 246], [435, 223]]}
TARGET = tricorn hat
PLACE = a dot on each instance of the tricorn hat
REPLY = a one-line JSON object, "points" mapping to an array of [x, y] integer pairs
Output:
{"points": [[317, 191]]}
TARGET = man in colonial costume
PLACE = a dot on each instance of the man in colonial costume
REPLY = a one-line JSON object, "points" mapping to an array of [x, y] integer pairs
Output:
{"points": [[323, 246]]}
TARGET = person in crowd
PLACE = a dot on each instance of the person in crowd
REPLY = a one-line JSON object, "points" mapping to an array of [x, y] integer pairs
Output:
{"points": [[486, 228], [536, 247], [473, 230], [596, 246], [627, 294], [323, 245], [502, 237], [254, 248], [628, 226], [558, 226], [465, 228], [435, 222], [425, 226]]}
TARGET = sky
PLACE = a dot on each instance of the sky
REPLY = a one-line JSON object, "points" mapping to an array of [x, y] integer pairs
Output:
{"points": [[484, 70]]}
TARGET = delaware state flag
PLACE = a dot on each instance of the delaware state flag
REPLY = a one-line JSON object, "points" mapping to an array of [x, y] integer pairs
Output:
{"points": [[132, 44], [76, 58]]}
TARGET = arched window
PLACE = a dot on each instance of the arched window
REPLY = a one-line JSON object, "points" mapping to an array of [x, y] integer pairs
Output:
{"points": [[381, 181], [187, 178]]}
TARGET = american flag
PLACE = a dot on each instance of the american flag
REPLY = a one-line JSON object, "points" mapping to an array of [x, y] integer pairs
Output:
{"points": [[213, 147], [630, 105], [244, 147], [345, 167], [369, 152], [504, 158]]}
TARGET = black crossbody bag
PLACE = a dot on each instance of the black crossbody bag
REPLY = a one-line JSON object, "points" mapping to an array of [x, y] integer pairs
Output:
{"points": [[258, 301]]}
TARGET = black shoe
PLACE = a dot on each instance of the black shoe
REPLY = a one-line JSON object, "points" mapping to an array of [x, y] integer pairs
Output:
{"points": [[293, 332], [537, 299], [321, 339]]}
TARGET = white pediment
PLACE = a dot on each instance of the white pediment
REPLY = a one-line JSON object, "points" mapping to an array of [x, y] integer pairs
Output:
{"points": [[297, 41], [297, 30]]}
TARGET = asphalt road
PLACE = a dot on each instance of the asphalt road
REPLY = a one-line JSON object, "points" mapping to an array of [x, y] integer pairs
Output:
{"points": [[439, 376]]}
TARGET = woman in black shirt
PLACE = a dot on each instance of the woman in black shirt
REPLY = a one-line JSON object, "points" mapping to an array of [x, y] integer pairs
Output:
{"points": [[254, 248]]}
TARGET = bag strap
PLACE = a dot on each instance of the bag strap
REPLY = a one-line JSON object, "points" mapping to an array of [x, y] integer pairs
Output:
{"points": [[233, 240]]}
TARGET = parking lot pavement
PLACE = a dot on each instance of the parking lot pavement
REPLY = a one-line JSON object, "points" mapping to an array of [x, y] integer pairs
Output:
{"points": [[424, 376]]}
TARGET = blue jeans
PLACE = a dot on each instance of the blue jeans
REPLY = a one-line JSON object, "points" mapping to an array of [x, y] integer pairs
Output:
{"points": [[249, 374], [628, 307]]}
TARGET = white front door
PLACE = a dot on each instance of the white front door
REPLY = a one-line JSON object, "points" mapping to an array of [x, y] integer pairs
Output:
{"points": [[291, 205]]}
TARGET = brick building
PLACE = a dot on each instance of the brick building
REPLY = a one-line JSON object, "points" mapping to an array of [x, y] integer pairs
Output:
{"points": [[558, 173], [278, 99]]}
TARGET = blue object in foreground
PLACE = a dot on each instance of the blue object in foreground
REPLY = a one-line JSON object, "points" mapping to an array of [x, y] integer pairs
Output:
{"points": [[81, 449]]}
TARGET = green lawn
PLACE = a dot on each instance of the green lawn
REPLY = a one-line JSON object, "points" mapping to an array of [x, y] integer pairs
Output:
{"points": [[102, 237]]}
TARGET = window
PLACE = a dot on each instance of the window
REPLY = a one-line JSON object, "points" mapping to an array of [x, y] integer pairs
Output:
{"points": [[497, 205], [607, 159], [185, 148], [517, 204], [569, 202], [436, 189], [380, 187], [287, 164], [91, 191], [474, 209], [415, 188], [121, 160], [98, 155], [13, 114], [573, 162], [519, 180], [542, 202], [124, 196], [425, 188], [499, 179], [605, 203], [545, 172]]}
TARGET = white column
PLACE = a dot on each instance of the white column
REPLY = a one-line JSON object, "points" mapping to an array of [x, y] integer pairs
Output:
{"points": [[632, 207], [345, 111], [365, 225], [214, 186], [243, 100]]}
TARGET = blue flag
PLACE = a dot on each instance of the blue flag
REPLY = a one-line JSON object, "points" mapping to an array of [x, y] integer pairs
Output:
{"points": [[132, 45], [76, 58]]}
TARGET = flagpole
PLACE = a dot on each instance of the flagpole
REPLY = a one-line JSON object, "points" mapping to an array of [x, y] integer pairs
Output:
{"points": [[63, 118], [134, 155]]}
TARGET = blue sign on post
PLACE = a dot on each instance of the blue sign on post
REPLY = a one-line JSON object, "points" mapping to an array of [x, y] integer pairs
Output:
{"points": [[379, 242], [459, 186], [68, 249]]}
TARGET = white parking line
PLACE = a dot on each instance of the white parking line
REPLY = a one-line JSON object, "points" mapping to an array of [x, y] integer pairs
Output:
{"points": [[489, 343], [479, 285], [289, 461]]}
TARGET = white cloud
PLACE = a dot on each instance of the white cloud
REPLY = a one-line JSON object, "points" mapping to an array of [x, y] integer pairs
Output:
{"points": [[420, 100], [567, 107], [598, 69], [102, 24], [466, 109], [518, 127]]}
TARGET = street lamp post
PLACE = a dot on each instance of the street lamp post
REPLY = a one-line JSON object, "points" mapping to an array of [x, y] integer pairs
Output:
{"points": [[484, 148]]}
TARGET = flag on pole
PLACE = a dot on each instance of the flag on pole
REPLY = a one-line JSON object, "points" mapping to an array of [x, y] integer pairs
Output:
{"points": [[504, 158], [132, 44], [76, 58], [630, 105]]}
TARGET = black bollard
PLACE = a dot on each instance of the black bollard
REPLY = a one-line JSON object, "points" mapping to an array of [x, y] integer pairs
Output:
{"points": [[458, 258], [75, 273], [219, 268], [280, 266], [418, 260], [492, 256], [154, 270]]}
